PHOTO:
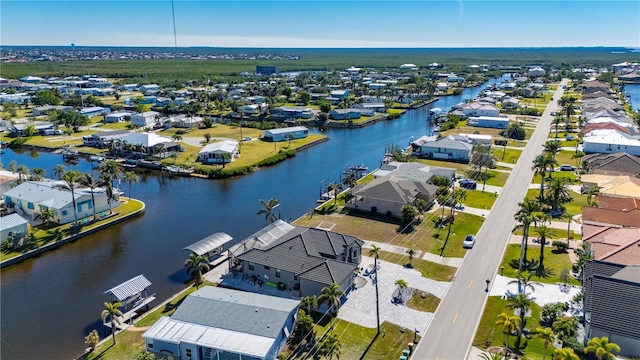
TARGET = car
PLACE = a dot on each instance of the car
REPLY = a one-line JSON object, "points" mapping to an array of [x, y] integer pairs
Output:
{"points": [[246, 138], [468, 184], [566, 167], [469, 241], [554, 213], [553, 113], [58, 132], [570, 137]]}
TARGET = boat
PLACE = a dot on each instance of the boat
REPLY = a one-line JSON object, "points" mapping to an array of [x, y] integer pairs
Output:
{"points": [[176, 170], [69, 154], [96, 158], [435, 112]]}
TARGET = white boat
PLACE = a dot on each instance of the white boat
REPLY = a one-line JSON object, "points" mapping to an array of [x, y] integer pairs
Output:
{"points": [[96, 158]]}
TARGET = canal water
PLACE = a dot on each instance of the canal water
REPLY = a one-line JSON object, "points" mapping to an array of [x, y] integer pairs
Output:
{"points": [[633, 92], [51, 302]]}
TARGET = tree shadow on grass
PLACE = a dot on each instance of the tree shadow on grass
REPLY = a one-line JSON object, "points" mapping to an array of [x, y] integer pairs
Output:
{"points": [[364, 354]]}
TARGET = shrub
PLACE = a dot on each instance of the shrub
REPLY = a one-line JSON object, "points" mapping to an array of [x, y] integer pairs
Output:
{"points": [[562, 246]]}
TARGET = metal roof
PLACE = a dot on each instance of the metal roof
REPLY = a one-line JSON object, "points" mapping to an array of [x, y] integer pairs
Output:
{"points": [[12, 220], [210, 243], [264, 237], [130, 287], [174, 331]]}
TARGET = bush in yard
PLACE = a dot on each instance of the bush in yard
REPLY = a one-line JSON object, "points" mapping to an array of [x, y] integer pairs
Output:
{"points": [[562, 246]]}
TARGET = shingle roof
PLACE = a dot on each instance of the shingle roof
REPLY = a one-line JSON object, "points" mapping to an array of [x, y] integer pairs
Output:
{"points": [[234, 310], [619, 163], [617, 245], [394, 189], [595, 215]]}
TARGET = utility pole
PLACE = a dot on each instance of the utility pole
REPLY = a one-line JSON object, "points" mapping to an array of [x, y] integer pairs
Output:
{"points": [[375, 266]]}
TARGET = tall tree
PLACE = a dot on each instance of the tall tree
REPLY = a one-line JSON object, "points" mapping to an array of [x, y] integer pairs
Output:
{"points": [[509, 324], [547, 336], [540, 165], [331, 295], [565, 354], [411, 252], [109, 171], [88, 181], [520, 301], [524, 282], [525, 216], [543, 233], [112, 311], [602, 348], [196, 266], [558, 192], [334, 188], [330, 346], [309, 304], [70, 181], [267, 209], [130, 178]]}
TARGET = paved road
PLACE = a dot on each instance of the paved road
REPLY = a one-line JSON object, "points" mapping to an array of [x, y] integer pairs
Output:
{"points": [[452, 330]]}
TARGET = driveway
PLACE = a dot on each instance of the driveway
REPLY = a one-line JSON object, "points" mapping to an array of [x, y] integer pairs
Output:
{"points": [[360, 306]]}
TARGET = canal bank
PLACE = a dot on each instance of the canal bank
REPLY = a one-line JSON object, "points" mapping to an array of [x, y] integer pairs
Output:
{"points": [[112, 220], [50, 303]]}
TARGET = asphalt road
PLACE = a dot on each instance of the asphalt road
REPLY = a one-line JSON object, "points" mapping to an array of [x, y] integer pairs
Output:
{"points": [[451, 332]]}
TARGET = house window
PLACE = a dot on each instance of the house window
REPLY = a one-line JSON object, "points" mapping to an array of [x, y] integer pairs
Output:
{"points": [[267, 267], [64, 212], [251, 266], [187, 353], [277, 272], [30, 206], [150, 346]]}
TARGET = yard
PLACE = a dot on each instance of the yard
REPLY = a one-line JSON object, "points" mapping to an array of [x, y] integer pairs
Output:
{"points": [[479, 199], [423, 301], [424, 237], [574, 207], [507, 155], [554, 262], [428, 269]]}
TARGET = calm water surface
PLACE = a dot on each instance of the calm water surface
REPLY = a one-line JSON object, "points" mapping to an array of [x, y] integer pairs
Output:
{"points": [[49, 303], [633, 90]]}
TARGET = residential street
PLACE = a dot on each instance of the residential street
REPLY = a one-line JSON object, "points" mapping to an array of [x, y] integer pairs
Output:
{"points": [[453, 327]]}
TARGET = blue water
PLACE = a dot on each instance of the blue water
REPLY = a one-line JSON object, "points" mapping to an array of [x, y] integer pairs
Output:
{"points": [[633, 90], [51, 302]]}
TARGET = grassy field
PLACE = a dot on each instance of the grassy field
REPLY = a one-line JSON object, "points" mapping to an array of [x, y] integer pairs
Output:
{"points": [[511, 156], [380, 228], [556, 174], [489, 334], [428, 303], [428, 269], [573, 207], [479, 200], [45, 234], [554, 262]]}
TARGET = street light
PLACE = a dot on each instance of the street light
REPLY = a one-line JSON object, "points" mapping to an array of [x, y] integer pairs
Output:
{"points": [[487, 288], [415, 335]]}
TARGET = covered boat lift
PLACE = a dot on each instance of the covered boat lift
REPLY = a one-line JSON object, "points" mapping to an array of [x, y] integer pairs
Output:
{"points": [[133, 294], [211, 246]]}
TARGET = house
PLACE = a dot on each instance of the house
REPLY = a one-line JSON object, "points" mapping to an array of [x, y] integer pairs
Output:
{"points": [[292, 112], [613, 244], [408, 67], [253, 109], [149, 142], [32, 79], [536, 71], [351, 113], [413, 171], [610, 141], [94, 111], [216, 323], [220, 152], [117, 117], [510, 103], [149, 88], [613, 164], [610, 185], [304, 261], [474, 139], [8, 180], [101, 139], [46, 109], [593, 86], [387, 195], [12, 225], [266, 70], [128, 87], [145, 119], [17, 98], [339, 94], [184, 121], [607, 217], [480, 109], [31, 197], [39, 126], [282, 134], [608, 125], [442, 86], [610, 303], [489, 122], [445, 148]]}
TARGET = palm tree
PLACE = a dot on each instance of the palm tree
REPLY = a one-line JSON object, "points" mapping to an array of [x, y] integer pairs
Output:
{"points": [[70, 182], [565, 327], [112, 311], [309, 304], [46, 214], [520, 301], [130, 178], [335, 188], [569, 216], [22, 171], [375, 252], [411, 253], [526, 216], [602, 348], [489, 356], [330, 346], [547, 336], [351, 180], [543, 233], [176, 137], [267, 209], [565, 354], [226, 157], [509, 324], [556, 121], [590, 192], [558, 192], [196, 265], [524, 282], [331, 295], [540, 168], [109, 171], [37, 174], [88, 181], [59, 171], [401, 284], [552, 147]]}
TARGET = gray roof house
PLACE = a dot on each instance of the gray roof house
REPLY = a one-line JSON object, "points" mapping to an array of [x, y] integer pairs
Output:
{"points": [[389, 194], [216, 323], [447, 148], [611, 303], [302, 261], [414, 171]]}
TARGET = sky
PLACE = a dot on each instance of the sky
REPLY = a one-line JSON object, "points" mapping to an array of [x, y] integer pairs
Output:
{"points": [[323, 24]]}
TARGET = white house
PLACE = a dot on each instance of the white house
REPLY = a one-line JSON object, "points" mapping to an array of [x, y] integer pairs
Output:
{"points": [[610, 141], [447, 148], [480, 109], [31, 197], [94, 111], [145, 119], [117, 117], [282, 134], [219, 152], [536, 71], [13, 224], [149, 141], [496, 122], [292, 112], [149, 87], [215, 323], [253, 109], [408, 67], [183, 121], [442, 86]]}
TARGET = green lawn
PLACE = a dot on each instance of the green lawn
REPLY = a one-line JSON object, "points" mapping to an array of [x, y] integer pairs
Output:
{"points": [[123, 125], [573, 207], [445, 164], [428, 269], [556, 174], [496, 178], [428, 303], [47, 233], [511, 156], [555, 234], [553, 262], [489, 334], [480, 200]]}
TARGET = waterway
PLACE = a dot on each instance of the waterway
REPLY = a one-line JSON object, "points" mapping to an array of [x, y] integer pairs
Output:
{"points": [[633, 90], [49, 303]]}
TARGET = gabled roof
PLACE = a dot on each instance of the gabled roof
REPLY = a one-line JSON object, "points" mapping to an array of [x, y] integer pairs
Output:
{"points": [[449, 142], [210, 243], [617, 245], [598, 216], [43, 192], [393, 189], [413, 171], [227, 146], [130, 287], [616, 164], [145, 139]]}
